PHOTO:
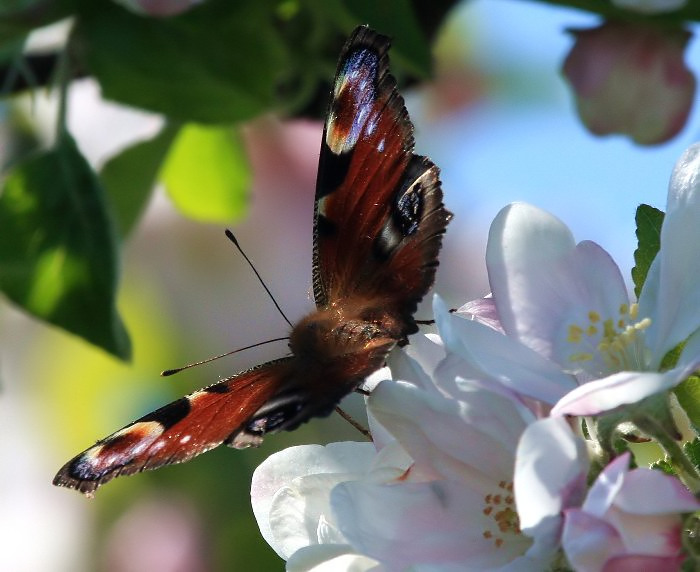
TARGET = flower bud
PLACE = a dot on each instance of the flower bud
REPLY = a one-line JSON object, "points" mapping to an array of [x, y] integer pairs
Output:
{"points": [[630, 78], [159, 8]]}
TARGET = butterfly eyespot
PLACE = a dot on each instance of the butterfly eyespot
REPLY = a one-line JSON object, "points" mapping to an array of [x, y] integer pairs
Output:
{"points": [[409, 209]]}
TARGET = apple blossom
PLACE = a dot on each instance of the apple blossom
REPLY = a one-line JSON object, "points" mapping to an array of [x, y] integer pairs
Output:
{"points": [[567, 316]]}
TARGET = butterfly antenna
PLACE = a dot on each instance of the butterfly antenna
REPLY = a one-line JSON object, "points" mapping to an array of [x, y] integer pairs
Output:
{"points": [[233, 239], [168, 372]]}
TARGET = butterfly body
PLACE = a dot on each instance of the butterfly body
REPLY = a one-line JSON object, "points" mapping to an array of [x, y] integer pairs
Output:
{"points": [[378, 226]]}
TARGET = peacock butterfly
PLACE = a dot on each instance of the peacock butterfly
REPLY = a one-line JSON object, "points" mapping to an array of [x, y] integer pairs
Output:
{"points": [[378, 226]]}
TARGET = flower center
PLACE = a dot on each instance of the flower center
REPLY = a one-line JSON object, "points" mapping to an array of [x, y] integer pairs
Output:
{"points": [[619, 341], [503, 520]]}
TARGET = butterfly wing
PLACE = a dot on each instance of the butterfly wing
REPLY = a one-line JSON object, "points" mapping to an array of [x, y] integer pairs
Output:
{"points": [[379, 216], [223, 412]]}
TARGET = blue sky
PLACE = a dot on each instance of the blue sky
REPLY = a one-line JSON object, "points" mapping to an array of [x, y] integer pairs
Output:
{"points": [[525, 143]]}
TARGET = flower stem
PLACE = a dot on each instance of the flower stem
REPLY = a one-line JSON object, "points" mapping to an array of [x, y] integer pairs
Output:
{"points": [[685, 470]]}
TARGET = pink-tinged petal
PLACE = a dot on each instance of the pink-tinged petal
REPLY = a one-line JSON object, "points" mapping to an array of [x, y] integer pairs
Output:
{"points": [[462, 441], [159, 8], [630, 78], [551, 465], [659, 535], [588, 541], [675, 309], [489, 355], [544, 284], [282, 468], [662, 494], [436, 522], [611, 392], [638, 563], [484, 311], [331, 558], [608, 484], [650, 6]]}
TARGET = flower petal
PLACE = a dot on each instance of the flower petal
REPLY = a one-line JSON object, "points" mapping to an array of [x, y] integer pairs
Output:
{"points": [[608, 484], [551, 464], [489, 355], [458, 440], [609, 393], [482, 310], [412, 523], [588, 541], [543, 283], [662, 494], [637, 562], [282, 468], [675, 306], [331, 558]]}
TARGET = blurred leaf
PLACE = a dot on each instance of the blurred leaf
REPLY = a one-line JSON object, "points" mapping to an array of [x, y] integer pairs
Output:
{"points": [[688, 395], [397, 19], [57, 249], [218, 62], [393, 18], [649, 222], [207, 173], [129, 177]]}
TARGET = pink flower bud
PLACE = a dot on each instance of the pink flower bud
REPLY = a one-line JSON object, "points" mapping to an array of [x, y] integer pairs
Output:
{"points": [[630, 78], [159, 8]]}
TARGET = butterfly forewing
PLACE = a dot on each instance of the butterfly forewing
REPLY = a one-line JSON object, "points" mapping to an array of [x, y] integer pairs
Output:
{"points": [[379, 213], [178, 431]]}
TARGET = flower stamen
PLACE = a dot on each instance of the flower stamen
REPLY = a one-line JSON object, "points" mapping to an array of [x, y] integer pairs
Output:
{"points": [[619, 342], [503, 518]]}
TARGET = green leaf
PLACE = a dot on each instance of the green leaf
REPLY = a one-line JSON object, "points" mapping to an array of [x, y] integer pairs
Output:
{"points": [[692, 451], [216, 63], [649, 222], [688, 395], [664, 466], [207, 174], [57, 247], [129, 177]]}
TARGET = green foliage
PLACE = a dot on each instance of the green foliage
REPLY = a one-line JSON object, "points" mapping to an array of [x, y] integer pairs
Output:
{"points": [[209, 68], [664, 466], [216, 63], [57, 248], [207, 174], [129, 177], [649, 222], [688, 395], [692, 451]]}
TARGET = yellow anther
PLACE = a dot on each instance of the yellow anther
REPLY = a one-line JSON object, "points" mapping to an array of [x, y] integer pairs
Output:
{"points": [[575, 333]]}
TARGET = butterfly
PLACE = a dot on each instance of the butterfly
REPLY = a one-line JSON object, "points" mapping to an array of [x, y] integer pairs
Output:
{"points": [[378, 226]]}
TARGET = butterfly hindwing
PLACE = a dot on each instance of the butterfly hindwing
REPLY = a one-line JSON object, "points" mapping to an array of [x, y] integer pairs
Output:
{"points": [[379, 213], [185, 428]]}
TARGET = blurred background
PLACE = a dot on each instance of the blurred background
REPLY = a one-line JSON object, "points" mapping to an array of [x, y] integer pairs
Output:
{"points": [[499, 121]]}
